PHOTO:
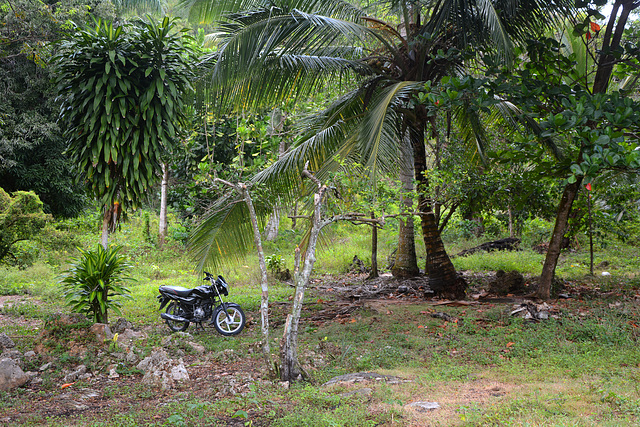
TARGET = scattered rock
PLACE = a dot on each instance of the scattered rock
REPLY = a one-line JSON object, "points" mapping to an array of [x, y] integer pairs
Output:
{"points": [[423, 406], [6, 342], [285, 384], [113, 374], [364, 392], [128, 337], [122, 325], [11, 375], [15, 355], [132, 357], [45, 366], [75, 401], [73, 376], [534, 312], [30, 354], [444, 316], [179, 372], [606, 273], [101, 332], [360, 377], [197, 348], [161, 371]]}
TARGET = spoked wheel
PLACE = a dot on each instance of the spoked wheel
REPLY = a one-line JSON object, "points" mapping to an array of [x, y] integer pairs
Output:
{"points": [[228, 319], [175, 309]]}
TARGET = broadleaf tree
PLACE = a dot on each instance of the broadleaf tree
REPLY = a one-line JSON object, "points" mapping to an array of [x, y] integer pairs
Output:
{"points": [[124, 92]]}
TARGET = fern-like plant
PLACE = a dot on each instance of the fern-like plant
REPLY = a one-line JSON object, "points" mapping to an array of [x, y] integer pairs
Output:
{"points": [[94, 279]]}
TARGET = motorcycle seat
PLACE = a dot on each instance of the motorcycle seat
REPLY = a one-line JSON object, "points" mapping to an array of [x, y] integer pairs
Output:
{"points": [[176, 290]]}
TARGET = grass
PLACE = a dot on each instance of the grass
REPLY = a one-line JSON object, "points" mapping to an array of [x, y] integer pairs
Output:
{"points": [[488, 369]]}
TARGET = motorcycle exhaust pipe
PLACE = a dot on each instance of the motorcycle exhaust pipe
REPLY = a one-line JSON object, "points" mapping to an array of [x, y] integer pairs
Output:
{"points": [[173, 317]]}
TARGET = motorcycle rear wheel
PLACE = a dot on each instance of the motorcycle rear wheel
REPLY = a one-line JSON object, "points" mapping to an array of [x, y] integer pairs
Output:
{"points": [[231, 325], [175, 309]]}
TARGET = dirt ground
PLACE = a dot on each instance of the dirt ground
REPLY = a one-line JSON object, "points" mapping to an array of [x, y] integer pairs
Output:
{"points": [[219, 376]]}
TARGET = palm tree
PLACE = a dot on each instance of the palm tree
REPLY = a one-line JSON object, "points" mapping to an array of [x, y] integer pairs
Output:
{"points": [[269, 51]]}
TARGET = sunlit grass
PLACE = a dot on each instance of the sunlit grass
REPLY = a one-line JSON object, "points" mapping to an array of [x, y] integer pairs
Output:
{"points": [[526, 262]]}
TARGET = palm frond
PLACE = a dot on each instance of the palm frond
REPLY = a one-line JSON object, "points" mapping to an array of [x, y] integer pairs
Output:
{"points": [[271, 55], [206, 11], [472, 129], [512, 115], [379, 134], [225, 233], [504, 21], [358, 127]]}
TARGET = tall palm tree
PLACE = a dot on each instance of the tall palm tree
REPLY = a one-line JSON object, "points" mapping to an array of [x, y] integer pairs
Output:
{"points": [[269, 51]]}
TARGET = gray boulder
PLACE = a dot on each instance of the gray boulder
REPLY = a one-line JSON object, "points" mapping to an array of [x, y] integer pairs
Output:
{"points": [[11, 375], [6, 342]]}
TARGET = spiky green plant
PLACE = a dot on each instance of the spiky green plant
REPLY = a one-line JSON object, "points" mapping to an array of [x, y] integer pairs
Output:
{"points": [[94, 279]]}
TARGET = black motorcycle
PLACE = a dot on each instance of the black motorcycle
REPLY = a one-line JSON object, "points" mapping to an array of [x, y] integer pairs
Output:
{"points": [[199, 305]]}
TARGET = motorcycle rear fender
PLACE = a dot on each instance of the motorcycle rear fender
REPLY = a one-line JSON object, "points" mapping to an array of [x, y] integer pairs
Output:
{"points": [[164, 300]]}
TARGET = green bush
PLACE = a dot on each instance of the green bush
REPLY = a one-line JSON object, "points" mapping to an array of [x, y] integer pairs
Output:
{"points": [[536, 231], [21, 218], [94, 279]]}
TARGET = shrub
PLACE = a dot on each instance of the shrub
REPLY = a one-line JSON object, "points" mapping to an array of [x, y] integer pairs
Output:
{"points": [[94, 279], [21, 217], [536, 231]]}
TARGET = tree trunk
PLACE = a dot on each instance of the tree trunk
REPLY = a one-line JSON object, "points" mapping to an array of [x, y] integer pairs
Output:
{"points": [[443, 279], [264, 302], [290, 369], [264, 284], [374, 249], [555, 244], [273, 225], [162, 228], [104, 239], [406, 263], [611, 41]]}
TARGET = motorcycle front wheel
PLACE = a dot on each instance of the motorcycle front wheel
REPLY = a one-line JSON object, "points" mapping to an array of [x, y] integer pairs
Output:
{"points": [[175, 309], [228, 319]]}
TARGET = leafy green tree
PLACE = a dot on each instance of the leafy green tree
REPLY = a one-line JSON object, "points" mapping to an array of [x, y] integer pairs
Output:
{"points": [[21, 218], [594, 131], [94, 279], [124, 92], [292, 48], [31, 142]]}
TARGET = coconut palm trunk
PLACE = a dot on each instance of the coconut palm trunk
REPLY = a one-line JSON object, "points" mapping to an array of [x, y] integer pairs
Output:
{"points": [[443, 279], [406, 263]]}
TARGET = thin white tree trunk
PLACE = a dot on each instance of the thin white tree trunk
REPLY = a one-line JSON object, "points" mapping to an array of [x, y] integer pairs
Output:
{"points": [[104, 240], [273, 225], [162, 228], [290, 369], [242, 189]]}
